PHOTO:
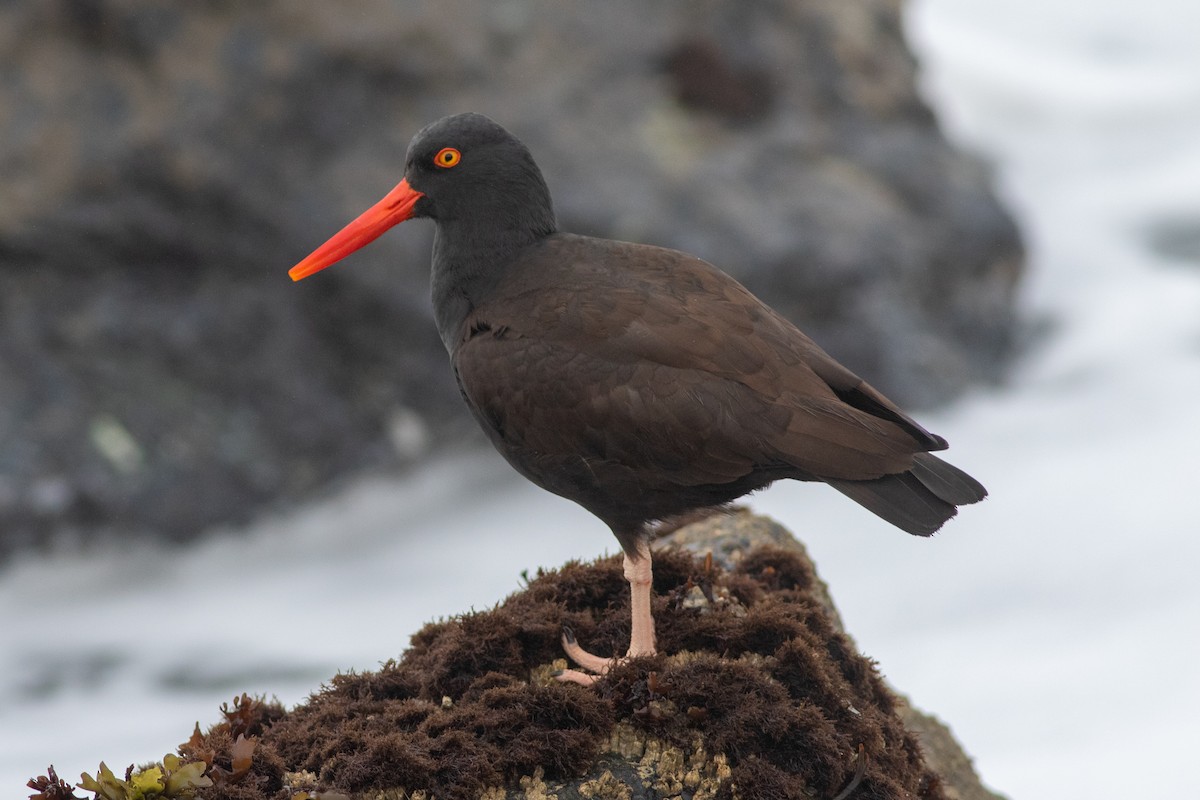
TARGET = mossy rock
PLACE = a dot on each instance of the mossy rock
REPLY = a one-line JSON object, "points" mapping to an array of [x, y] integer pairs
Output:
{"points": [[758, 694]]}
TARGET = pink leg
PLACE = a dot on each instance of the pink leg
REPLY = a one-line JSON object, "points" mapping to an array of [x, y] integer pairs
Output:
{"points": [[641, 639], [641, 579]]}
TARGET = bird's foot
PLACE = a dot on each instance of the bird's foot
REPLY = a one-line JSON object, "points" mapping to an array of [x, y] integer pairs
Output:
{"points": [[596, 666], [641, 634]]}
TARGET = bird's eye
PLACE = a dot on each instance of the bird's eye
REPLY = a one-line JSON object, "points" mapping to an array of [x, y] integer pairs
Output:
{"points": [[447, 157]]}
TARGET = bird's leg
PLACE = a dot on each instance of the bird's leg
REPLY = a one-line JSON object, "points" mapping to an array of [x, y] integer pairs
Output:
{"points": [[641, 635], [641, 579]]}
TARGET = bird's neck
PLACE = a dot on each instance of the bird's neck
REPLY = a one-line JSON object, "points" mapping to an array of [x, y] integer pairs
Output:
{"points": [[470, 259]]}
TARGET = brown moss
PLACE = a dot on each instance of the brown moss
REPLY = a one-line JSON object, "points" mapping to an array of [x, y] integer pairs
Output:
{"points": [[760, 696]]}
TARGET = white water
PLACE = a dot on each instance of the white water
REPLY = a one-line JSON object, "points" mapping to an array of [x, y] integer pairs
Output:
{"points": [[1056, 627]]}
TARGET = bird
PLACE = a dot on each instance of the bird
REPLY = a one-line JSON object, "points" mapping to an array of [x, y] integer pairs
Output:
{"points": [[640, 382]]}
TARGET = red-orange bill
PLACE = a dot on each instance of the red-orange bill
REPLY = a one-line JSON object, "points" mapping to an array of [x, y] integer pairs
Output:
{"points": [[393, 209]]}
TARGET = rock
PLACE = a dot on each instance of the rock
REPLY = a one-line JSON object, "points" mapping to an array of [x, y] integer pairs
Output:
{"points": [[164, 167], [730, 538], [759, 694]]}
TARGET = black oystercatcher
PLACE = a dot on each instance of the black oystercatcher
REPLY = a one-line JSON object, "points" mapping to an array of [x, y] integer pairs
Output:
{"points": [[637, 381]]}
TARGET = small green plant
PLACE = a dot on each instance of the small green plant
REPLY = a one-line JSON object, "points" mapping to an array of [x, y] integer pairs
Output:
{"points": [[222, 757], [169, 779]]}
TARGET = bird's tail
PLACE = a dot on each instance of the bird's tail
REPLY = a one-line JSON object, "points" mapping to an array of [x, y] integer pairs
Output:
{"points": [[918, 501]]}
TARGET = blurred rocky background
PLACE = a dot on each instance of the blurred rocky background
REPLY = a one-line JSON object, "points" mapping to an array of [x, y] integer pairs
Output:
{"points": [[163, 165]]}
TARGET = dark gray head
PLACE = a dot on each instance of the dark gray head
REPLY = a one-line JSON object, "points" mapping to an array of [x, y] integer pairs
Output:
{"points": [[471, 169], [470, 175]]}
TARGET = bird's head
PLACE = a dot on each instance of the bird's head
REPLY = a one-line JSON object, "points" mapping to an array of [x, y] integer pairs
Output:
{"points": [[464, 171]]}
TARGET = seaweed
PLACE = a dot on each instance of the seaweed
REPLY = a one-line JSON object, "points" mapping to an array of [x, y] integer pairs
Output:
{"points": [[760, 694]]}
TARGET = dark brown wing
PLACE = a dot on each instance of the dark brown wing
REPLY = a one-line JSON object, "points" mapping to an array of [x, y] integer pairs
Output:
{"points": [[634, 371]]}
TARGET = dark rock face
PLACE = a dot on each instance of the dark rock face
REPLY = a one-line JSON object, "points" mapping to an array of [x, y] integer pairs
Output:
{"points": [[164, 167]]}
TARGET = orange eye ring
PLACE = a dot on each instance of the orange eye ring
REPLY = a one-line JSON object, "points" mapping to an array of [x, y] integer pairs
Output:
{"points": [[447, 157]]}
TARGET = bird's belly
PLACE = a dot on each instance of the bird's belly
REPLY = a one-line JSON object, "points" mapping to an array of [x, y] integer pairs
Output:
{"points": [[626, 493], [630, 440]]}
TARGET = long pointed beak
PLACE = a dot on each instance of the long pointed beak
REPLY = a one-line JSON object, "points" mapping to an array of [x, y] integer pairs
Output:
{"points": [[393, 209]]}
